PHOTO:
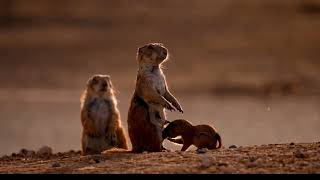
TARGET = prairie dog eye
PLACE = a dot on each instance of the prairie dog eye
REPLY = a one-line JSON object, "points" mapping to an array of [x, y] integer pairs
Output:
{"points": [[94, 81]]}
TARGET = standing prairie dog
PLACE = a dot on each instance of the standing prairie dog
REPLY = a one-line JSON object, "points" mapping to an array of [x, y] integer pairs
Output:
{"points": [[146, 116], [202, 136], [100, 117]]}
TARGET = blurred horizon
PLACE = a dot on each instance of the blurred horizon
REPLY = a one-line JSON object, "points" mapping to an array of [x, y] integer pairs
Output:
{"points": [[246, 67]]}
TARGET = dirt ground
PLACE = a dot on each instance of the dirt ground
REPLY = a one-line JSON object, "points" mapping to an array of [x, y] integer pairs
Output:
{"points": [[246, 67], [265, 159]]}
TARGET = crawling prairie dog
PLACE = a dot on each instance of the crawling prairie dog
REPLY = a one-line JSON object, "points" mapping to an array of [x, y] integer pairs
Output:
{"points": [[100, 117], [146, 115], [201, 136]]}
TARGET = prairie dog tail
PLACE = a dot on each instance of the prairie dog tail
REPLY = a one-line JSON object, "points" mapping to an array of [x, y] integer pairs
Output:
{"points": [[217, 135]]}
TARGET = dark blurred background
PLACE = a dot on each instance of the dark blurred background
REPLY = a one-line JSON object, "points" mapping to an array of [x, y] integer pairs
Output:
{"points": [[250, 68]]}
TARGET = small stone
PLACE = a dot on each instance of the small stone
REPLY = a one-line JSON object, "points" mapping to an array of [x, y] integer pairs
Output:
{"points": [[202, 150], [299, 154], [56, 164], [26, 153], [261, 171], [31, 153], [252, 158], [222, 164], [232, 146], [45, 151], [144, 152], [86, 168], [92, 161], [291, 144], [206, 162], [303, 163], [5, 158], [23, 152], [227, 170], [13, 154], [252, 164]]}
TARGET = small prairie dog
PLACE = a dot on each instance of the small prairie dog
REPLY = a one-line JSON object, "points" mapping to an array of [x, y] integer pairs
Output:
{"points": [[202, 136], [100, 117], [146, 116]]}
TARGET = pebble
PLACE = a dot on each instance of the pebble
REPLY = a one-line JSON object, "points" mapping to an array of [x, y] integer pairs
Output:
{"points": [[31, 153], [227, 170], [23, 152], [291, 143], [252, 164], [206, 162], [5, 158], [232, 146], [303, 163], [44, 151], [202, 150], [252, 158], [93, 161], [222, 164], [56, 164], [26, 153], [299, 154]]}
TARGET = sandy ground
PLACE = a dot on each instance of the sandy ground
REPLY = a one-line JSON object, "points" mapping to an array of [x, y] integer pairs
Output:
{"points": [[226, 49], [271, 158]]}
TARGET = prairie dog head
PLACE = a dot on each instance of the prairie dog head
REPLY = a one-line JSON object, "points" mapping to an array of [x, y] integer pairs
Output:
{"points": [[175, 128], [99, 85], [152, 54]]}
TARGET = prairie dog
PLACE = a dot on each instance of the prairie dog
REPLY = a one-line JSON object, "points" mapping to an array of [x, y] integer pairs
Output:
{"points": [[202, 136], [100, 117], [146, 116]]}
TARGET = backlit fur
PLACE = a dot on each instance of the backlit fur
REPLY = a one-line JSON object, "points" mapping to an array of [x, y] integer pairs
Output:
{"points": [[100, 117], [201, 136], [146, 116]]}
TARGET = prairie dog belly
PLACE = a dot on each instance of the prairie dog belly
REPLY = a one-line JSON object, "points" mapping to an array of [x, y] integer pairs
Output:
{"points": [[156, 110], [158, 80], [100, 111]]}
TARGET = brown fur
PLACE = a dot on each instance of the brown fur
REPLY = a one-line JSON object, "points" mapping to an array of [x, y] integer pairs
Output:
{"points": [[146, 116], [202, 136], [100, 117]]}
